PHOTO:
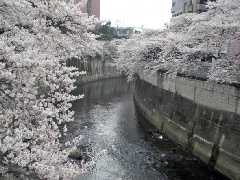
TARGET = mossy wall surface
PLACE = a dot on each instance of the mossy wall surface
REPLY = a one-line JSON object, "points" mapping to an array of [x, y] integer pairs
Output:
{"points": [[181, 108], [96, 69]]}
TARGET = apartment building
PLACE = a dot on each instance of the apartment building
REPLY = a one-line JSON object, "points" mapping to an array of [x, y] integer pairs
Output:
{"points": [[92, 7], [187, 6]]}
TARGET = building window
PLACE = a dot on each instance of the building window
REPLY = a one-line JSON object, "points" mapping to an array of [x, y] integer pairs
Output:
{"points": [[190, 6], [173, 4], [205, 1]]}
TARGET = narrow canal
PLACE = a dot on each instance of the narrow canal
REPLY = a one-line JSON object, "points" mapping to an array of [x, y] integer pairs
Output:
{"points": [[108, 120]]}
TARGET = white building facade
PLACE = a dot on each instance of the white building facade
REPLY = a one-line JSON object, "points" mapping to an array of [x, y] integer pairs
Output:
{"points": [[187, 6]]}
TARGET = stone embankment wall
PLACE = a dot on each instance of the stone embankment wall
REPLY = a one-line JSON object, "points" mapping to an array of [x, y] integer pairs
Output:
{"points": [[96, 69], [202, 116]]}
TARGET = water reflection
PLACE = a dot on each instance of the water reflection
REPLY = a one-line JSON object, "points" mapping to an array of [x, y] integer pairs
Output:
{"points": [[107, 119]]}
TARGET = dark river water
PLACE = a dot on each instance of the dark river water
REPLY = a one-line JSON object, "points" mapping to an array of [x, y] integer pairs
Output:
{"points": [[108, 120]]}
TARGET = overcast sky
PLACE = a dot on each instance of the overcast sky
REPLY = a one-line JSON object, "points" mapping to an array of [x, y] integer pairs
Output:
{"points": [[149, 13]]}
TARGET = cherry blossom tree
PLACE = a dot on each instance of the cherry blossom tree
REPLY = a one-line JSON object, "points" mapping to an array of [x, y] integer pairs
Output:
{"points": [[187, 39], [37, 38], [133, 54], [225, 30]]}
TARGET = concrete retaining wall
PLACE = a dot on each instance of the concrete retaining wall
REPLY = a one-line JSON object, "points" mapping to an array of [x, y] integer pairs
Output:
{"points": [[201, 116], [96, 68]]}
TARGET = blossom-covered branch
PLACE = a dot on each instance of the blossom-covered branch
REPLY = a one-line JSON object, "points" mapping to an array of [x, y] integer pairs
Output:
{"points": [[187, 39], [37, 38]]}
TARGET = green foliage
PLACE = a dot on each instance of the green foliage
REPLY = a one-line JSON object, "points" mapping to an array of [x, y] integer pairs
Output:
{"points": [[106, 32]]}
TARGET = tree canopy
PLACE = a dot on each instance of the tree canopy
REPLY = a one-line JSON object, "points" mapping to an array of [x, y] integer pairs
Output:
{"points": [[187, 39], [105, 32], [36, 39]]}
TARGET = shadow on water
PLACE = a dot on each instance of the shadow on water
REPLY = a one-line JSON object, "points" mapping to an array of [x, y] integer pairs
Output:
{"points": [[107, 118]]}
